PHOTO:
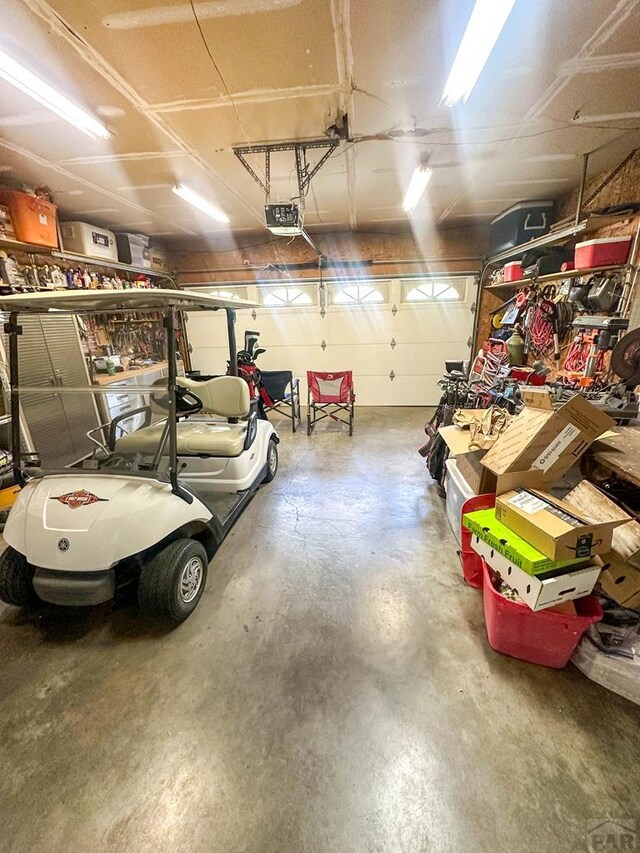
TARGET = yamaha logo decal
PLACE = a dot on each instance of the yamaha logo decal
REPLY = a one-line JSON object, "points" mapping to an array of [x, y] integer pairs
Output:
{"points": [[63, 545], [77, 499]]}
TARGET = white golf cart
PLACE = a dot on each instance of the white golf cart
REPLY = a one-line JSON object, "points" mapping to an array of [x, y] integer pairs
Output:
{"points": [[161, 490]]}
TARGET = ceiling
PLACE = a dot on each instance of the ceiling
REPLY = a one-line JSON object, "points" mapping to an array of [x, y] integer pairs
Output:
{"points": [[287, 69]]}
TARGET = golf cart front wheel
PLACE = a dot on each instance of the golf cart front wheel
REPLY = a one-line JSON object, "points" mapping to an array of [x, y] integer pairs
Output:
{"points": [[16, 579], [171, 583], [272, 461]]}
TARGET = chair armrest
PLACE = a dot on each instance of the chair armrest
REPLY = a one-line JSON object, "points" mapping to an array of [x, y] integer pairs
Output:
{"points": [[252, 429]]}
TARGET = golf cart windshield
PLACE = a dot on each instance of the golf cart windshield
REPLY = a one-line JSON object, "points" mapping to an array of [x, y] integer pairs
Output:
{"points": [[113, 412]]}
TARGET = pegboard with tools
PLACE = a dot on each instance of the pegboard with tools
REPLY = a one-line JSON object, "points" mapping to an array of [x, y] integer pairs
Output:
{"points": [[114, 343]]}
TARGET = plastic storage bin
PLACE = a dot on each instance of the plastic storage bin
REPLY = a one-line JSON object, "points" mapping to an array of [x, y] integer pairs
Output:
{"points": [[602, 253], [134, 249], [34, 219], [512, 271], [6, 225], [458, 492], [542, 636], [472, 562], [90, 240], [519, 224], [158, 258]]}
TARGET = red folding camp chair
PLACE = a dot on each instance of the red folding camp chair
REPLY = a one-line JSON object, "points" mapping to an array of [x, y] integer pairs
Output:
{"points": [[330, 393]]}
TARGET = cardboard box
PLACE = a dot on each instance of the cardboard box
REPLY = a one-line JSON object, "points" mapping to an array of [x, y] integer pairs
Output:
{"points": [[484, 524], [541, 444], [539, 593], [620, 582], [555, 527], [481, 480], [537, 397], [626, 538], [620, 578]]}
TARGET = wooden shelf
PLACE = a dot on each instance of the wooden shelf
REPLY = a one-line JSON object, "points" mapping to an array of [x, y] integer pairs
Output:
{"points": [[83, 260], [510, 286], [587, 226], [18, 246], [129, 322], [124, 375]]}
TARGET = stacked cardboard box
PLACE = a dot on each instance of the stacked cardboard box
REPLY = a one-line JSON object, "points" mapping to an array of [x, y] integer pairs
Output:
{"points": [[528, 524], [539, 581], [620, 579]]}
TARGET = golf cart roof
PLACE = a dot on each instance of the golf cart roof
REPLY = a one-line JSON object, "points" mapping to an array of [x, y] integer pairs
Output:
{"points": [[87, 301]]}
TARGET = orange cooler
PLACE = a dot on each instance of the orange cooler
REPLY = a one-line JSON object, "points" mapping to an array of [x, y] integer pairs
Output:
{"points": [[34, 218]]}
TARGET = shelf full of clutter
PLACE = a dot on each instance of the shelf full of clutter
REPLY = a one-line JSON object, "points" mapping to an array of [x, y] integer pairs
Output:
{"points": [[535, 444], [38, 252]]}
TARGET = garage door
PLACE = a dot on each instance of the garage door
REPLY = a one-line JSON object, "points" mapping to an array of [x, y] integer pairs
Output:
{"points": [[395, 335]]}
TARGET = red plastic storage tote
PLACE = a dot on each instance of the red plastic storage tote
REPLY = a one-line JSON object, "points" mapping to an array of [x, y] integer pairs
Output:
{"points": [[472, 562], [540, 636], [34, 218]]}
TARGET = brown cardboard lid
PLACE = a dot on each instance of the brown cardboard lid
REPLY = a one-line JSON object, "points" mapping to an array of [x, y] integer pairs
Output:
{"points": [[503, 455], [534, 430], [554, 525], [591, 420]]}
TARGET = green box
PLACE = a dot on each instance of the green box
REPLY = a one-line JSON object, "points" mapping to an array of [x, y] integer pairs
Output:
{"points": [[486, 527]]}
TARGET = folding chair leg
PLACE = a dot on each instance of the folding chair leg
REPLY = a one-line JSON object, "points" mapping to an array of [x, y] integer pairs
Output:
{"points": [[294, 412], [297, 410]]}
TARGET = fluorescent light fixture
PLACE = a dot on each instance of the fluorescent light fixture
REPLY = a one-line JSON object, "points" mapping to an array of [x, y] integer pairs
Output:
{"points": [[417, 186], [580, 119], [485, 25], [550, 158], [201, 203], [36, 88], [528, 181]]}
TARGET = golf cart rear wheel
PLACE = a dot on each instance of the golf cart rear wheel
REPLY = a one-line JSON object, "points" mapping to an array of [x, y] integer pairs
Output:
{"points": [[16, 579], [171, 583], [272, 461]]}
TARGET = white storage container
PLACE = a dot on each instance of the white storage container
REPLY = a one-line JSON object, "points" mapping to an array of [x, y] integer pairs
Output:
{"points": [[134, 249], [158, 257], [89, 240], [458, 491]]}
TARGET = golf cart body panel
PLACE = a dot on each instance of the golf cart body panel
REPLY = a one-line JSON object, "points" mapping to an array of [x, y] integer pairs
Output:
{"points": [[236, 473], [89, 523]]}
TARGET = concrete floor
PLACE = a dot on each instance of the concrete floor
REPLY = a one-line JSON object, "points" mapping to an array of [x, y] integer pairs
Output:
{"points": [[333, 693]]}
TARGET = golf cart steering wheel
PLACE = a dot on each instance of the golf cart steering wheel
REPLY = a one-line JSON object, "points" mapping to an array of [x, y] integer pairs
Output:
{"points": [[187, 403]]}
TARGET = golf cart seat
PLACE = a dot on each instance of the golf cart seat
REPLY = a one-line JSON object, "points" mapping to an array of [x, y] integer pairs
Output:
{"points": [[225, 396], [195, 438]]}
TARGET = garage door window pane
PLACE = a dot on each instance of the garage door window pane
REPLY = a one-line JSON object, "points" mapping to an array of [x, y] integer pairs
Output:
{"points": [[279, 297], [358, 294], [236, 293], [433, 290]]}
